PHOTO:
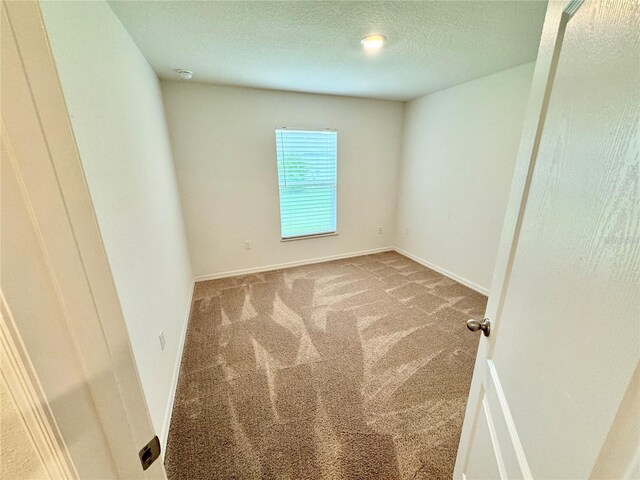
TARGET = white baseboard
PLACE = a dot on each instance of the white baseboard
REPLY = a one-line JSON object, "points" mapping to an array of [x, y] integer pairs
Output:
{"points": [[446, 273], [164, 435], [267, 268]]}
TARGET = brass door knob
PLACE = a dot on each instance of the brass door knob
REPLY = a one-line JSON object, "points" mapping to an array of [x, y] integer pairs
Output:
{"points": [[475, 325]]}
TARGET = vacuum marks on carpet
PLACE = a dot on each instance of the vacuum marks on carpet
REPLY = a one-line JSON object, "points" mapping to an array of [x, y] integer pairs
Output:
{"points": [[351, 369]]}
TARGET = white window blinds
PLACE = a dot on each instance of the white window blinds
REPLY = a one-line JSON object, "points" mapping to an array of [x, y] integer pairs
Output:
{"points": [[307, 177]]}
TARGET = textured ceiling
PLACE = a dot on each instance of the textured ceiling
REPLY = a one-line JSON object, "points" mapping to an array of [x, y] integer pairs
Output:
{"points": [[314, 46]]}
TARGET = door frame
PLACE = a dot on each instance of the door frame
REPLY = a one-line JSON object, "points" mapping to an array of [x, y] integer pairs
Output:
{"points": [[19, 378], [37, 132], [559, 13]]}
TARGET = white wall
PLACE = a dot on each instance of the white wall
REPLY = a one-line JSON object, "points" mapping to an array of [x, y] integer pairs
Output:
{"points": [[459, 150], [224, 148], [115, 104]]}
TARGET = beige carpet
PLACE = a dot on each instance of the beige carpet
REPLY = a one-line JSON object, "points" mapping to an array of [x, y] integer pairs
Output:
{"points": [[351, 369]]}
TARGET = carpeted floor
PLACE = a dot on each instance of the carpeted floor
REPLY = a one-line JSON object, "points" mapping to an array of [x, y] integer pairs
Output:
{"points": [[351, 369]]}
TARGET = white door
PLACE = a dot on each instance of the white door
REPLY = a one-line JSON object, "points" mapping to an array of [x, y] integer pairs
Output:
{"points": [[548, 395], [58, 305]]}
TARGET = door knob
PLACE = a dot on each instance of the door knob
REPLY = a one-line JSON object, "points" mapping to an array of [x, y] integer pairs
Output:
{"points": [[475, 325]]}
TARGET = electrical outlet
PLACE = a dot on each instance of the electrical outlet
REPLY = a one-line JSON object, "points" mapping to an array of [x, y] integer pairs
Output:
{"points": [[247, 245], [162, 340], [407, 231], [380, 230]]}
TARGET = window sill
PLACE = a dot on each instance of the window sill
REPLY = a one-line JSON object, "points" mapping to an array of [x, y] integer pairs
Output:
{"points": [[304, 237]]}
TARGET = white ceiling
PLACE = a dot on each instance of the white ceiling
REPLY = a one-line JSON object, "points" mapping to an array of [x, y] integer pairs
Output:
{"points": [[314, 46]]}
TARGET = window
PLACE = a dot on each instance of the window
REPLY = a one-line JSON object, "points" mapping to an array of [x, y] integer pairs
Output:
{"points": [[307, 176]]}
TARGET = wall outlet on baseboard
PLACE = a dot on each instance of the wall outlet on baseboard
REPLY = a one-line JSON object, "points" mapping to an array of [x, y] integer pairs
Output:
{"points": [[380, 230], [247, 245], [162, 339]]}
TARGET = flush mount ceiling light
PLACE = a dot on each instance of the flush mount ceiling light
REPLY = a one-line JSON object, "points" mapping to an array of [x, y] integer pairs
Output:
{"points": [[184, 74], [373, 42]]}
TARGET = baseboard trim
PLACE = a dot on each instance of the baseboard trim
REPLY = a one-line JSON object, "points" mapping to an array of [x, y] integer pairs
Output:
{"points": [[164, 435], [278, 266], [267, 268], [446, 273]]}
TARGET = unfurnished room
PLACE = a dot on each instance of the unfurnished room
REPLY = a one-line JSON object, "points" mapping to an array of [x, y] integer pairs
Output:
{"points": [[300, 240]]}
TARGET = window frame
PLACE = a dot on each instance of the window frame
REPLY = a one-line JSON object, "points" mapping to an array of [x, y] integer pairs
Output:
{"points": [[313, 235]]}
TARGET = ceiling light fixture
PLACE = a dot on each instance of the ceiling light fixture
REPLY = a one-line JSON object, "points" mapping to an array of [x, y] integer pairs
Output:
{"points": [[185, 74], [373, 42]]}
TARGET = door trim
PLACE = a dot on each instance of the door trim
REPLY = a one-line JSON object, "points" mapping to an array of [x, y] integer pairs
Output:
{"points": [[511, 425], [18, 374]]}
